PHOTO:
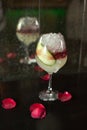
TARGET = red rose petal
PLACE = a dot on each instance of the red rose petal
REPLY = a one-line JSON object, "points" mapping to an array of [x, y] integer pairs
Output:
{"points": [[35, 105], [8, 103], [63, 97], [37, 68], [11, 55], [1, 60], [46, 77], [38, 111]]}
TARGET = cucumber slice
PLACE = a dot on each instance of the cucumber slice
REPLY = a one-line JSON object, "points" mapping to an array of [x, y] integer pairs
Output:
{"points": [[44, 55]]}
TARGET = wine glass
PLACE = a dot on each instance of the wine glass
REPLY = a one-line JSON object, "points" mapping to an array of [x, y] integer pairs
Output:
{"points": [[51, 55], [27, 32]]}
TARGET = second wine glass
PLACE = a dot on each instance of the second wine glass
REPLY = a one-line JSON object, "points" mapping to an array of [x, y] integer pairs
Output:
{"points": [[51, 55], [27, 32]]}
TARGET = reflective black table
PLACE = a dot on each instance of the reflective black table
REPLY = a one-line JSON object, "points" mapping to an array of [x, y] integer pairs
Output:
{"points": [[60, 115]]}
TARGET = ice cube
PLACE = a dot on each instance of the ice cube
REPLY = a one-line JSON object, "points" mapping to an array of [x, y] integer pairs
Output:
{"points": [[54, 41], [28, 22]]}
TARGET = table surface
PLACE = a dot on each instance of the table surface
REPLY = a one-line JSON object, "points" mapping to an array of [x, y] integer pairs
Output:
{"points": [[60, 115]]}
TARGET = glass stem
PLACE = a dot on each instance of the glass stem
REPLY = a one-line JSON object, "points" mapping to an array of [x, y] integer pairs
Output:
{"points": [[50, 84], [27, 52]]}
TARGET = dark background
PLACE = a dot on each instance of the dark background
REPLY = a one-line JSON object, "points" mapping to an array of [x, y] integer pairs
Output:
{"points": [[23, 83]]}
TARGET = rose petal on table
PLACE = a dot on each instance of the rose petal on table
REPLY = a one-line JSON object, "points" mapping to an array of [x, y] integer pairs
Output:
{"points": [[11, 55], [35, 105], [63, 97], [37, 110], [45, 77], [1, 60], [37, 68], [8, 103]]}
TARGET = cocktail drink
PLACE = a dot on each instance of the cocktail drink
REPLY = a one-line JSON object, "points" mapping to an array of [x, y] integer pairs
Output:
{"points": [[51, 55], [27, 32]]}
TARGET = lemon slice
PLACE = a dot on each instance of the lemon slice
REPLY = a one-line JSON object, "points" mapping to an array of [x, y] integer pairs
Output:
{"points": [[44, 55]]}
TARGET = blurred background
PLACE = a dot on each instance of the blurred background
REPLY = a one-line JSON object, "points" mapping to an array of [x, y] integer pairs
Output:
{"points": [[66, 16]]}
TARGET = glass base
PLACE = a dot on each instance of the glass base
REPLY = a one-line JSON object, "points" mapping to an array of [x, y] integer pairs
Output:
{"points": [[27, 60], [48, 95]]}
